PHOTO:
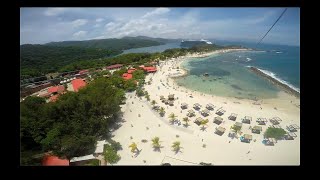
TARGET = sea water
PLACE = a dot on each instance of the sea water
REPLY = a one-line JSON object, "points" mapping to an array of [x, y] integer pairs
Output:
{"points": [[229, 74]]}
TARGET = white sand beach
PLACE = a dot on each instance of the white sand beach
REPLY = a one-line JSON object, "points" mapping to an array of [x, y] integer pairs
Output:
{"points": [[218, 150]]}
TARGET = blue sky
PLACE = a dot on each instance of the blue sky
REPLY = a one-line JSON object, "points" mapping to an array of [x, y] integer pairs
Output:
{"points": [[42, 25]]}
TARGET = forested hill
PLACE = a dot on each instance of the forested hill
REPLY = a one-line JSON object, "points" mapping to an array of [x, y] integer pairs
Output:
{"points": [[110, 44], [36, 60]]}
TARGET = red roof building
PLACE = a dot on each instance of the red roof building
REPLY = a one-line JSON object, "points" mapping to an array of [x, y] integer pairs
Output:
{"points": [[83, 71], [150, 69], [77, 84], [126, 76], [131, 70], [56, 89], [115, 66], [54, 161]]}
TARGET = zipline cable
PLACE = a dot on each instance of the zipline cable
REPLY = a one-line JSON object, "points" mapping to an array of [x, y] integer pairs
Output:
{"points": [[272, 26]]}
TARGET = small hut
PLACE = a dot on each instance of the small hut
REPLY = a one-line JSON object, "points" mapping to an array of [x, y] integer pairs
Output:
{"points": [[162, 98], [220, 111], [205, 112], [275, 120], [210, 106], [171, 97], [170, 103], [238, 124], [232, 134], [256, 129], [269, 141], [218, 120], [292, 128], [196, 106], [198, 121], [190, 113], [262, 121], [220, 130], [290, 136], [232, 117], [247, 119], [246, 138], [184, 105]]}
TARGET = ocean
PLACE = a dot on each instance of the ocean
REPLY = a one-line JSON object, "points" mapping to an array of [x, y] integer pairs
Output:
{"points": [[229, 74]]}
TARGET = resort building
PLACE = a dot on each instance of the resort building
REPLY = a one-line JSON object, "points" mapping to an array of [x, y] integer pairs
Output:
{"points": [[149, 69], [56, 89], [82, 160], [131, 70], [126, 76], [84, 71], [77, 84], [49, 160], [115, 66]]}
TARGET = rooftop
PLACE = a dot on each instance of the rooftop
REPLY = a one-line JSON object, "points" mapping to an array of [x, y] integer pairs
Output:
{"points": [[54, 161], [126, 76], [77, 84], [56, 89]]}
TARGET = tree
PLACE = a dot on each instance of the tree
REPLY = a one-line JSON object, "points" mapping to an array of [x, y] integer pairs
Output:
{"points": [[115, 145], [110, 154], [276, 133], [156, 143], [176, 146], [147, 97], [153, 102], [172, 117], [162, 111], [236, 128], [204, 123], [133, 147], [186, 120]]}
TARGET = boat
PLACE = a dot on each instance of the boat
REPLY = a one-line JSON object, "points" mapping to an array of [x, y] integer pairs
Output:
{"points": [[191, 43], [206, 74]]}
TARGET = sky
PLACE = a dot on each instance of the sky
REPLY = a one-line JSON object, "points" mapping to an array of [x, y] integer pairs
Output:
{"points": [[43, 25]]}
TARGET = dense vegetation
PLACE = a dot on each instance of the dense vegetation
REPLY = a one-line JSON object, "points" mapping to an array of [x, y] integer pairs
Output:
{"points": [[38, 60], [110, 44], [71, 126], [276, 133], [110, 153]]}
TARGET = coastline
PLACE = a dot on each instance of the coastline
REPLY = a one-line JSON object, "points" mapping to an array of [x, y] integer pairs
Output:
{"points": [[144, 123], [276, 82]]}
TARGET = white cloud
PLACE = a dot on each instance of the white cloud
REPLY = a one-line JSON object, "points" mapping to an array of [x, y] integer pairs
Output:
{"points": [[54, 11], [79, 22], [80, 34], [155, 12], [99, 20]]}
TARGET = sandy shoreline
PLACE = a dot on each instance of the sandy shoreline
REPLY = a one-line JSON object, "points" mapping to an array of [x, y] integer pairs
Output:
{"points": [[218, 150]]}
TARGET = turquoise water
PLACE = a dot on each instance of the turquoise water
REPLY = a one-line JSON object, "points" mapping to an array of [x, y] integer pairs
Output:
{"points": [[229, 74], [226, 78]]}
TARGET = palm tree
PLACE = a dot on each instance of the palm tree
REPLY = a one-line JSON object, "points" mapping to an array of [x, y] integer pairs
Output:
{"points": [[186, 120], [172, 117], [156, 143], [162, 111], [153, 102], [133, 147], [204, 123], [176, 146], [147, 97]]}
